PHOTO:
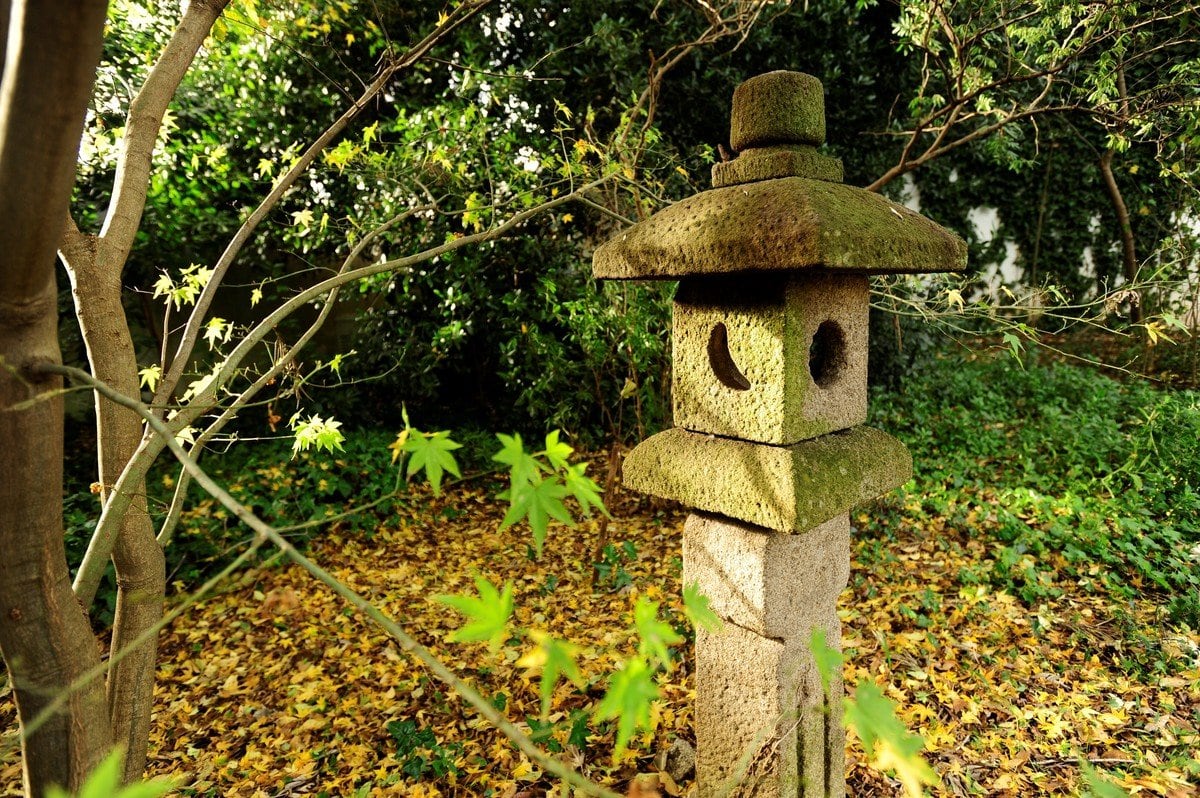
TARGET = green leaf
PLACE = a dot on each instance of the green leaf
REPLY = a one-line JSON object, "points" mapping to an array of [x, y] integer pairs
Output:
{"points": [[303, 218], [886, 742], [196, 276], [522, 467], [828, 660], [579, 730], [584, 489], [370, 132], [697, 609], [1098, 786], [537, 503], [163, 286], [654, 635], [201, 384], [105, 782], [341, 155], [316, 432], [186, 435], [335, 363], [1015, 346], [555, 658], [558, 454], [631, 690], [431, 451], [150, 376], [216, 331], [487, 616]]}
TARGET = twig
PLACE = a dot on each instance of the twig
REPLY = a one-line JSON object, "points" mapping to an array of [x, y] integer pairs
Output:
{"points": [[116, 656], [191, 333], [266, 532]]}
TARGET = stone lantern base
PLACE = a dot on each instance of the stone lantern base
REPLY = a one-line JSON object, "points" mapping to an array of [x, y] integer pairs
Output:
{"points": [[764, 724]]}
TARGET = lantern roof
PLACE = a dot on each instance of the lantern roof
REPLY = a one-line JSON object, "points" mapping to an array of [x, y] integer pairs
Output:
{"points": [[780, 206]]}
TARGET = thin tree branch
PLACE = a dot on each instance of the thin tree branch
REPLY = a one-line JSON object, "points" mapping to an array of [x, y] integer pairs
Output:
{"points": [[114, 657], [103, 537], [168, 526], [266, 532], [191, 333], [142, 127]]}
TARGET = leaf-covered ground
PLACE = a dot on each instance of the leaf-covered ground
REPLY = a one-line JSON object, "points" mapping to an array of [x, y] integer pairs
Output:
{"points": [[274, 688], [1009, 698]]}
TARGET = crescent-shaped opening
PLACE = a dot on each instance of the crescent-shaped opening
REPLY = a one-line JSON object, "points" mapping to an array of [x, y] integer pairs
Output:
{"points": [[721, 361]]}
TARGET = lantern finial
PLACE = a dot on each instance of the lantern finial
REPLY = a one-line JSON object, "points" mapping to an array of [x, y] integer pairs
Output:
{"points": [[777, 123]]}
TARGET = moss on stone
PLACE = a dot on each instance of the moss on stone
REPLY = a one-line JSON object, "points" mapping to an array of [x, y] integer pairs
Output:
{"points": [[769, 163], [777, 108], [780, 225], [786, 488]]}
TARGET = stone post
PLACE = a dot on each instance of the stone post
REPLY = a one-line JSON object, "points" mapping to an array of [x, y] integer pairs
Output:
{"points": [[769, 394]]}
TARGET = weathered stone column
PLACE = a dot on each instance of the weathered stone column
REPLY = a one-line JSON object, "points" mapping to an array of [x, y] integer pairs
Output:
{"points": [[769, 394]]}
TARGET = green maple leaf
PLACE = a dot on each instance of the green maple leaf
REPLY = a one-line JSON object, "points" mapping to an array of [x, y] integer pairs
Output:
{"points": [[1015, 346], [335, 363], [431, 451], [829, 660], [556, 659], [584, 489], [697, 609], [1098, 786], [536, 502], [303, 218], [522, 467], [487, 616], [631, 690], [215, 331], [886, 742], [163, 286], [557, 453], [316, 432], [370, 132], [150, 377], [341, 155], [655, 635], [536, 490]]}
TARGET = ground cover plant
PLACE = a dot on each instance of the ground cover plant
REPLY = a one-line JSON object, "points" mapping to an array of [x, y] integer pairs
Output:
{"points": [[1023, 627]]}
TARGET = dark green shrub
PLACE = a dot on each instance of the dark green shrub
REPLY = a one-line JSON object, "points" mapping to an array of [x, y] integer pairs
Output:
{"points": [[1059, 460]]}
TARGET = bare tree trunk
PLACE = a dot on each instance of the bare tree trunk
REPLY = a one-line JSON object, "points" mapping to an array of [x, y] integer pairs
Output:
{"points": [[137, 557], [53, 47], [95, 265], [1128, 253]]}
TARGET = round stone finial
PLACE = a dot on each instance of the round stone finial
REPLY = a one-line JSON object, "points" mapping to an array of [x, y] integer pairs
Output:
{"points": [[777, 108]]}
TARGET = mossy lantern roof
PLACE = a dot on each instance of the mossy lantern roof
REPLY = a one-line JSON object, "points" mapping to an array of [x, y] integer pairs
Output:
{"points": [[780, 206]]}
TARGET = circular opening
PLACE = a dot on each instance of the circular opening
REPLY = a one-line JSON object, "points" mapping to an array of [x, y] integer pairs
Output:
{"points": [[721, 362], [827, 354]]}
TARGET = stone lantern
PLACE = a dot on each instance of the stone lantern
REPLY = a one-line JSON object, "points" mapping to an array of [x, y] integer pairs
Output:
{"points": [[769, 344]]}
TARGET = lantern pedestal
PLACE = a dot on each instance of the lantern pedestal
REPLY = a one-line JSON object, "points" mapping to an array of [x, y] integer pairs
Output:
{"points": [[764, 721]]}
